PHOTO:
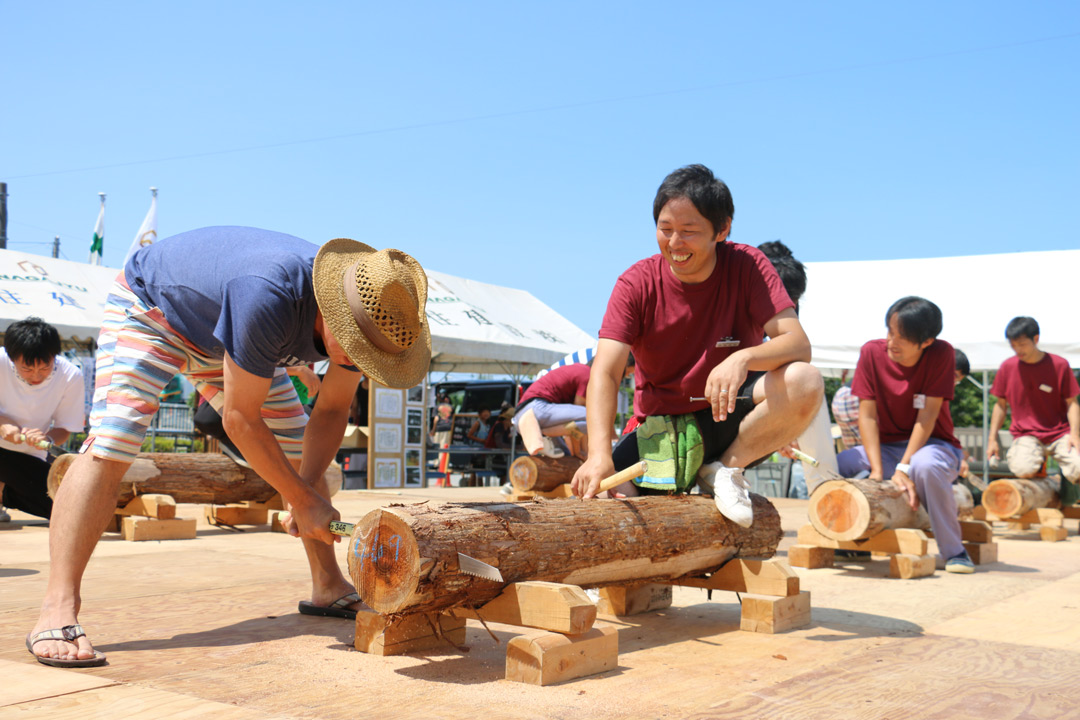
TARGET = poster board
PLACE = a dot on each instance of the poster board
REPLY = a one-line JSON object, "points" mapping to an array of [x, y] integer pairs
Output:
{"points": [[397, 437]]}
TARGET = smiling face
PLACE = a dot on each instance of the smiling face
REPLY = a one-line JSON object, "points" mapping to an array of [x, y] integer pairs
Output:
{"points": [[34, 373], [901, 350], [687, 240]]}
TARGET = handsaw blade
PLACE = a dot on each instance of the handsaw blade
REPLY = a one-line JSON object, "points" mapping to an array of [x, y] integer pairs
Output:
{"points": [[472, 566]]}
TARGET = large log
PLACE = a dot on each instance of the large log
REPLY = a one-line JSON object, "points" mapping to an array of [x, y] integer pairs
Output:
{"points": [[207, 478], [860, 509], [538, 473], [1012, 497], [403, 559]]}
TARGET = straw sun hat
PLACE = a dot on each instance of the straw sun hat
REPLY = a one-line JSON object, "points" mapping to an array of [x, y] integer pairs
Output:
{"points": [[373, 303]]}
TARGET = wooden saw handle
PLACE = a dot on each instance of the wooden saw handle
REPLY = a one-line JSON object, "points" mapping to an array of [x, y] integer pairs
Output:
{"points": [[634, 471]]}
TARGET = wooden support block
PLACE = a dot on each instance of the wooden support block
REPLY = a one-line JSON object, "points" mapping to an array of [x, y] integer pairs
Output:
{"points": [[907, 566], [143, 528], [810, 556], [1071, 511], [623, 600], [764, 577], [770, 614], [234, 515], [154, 505], [1053, 534], [275, 523], [1047, 517], [976, 531], [902, 540], [982, 553], [544, 605], [116, 523], [560, 491], [979, 513], [549, 658], [1019, 526], [378, 636]]}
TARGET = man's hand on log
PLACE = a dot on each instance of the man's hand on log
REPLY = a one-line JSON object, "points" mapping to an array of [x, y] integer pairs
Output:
{"points": [[312, 520], [588, 477], [902, 481]]}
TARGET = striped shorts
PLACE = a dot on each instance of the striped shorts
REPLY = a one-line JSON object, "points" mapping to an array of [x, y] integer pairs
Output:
{"points": [[138, 354]]}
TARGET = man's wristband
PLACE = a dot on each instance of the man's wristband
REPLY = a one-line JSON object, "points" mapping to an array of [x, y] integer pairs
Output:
{"points": [[904, 468]]}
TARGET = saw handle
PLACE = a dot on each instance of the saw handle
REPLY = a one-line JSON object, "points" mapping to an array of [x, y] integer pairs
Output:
{"points": [[634, 471], [40, 445], [341, 528]]}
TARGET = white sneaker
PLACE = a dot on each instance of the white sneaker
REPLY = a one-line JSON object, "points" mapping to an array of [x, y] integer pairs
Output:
{"points": [[4, 517], [506, 489], [731, 490], [550, 449], [593, 594]]}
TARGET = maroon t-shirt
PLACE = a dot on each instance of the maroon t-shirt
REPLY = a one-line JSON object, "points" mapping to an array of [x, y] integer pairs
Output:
{"points": [[679, 332], [894, 388], [1036, 394], [561, 385]]}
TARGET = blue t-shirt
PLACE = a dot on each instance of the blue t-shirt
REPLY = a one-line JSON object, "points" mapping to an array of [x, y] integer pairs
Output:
{"points": [[240, 290]]}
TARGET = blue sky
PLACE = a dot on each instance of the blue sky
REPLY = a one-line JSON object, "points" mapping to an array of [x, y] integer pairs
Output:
{"points": [[521, 144]]}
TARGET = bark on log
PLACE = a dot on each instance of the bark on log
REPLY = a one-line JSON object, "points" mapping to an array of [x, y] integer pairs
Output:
{"points": [[1012, 497], [207, 478], [860, 509], [403, 559], [538, 473]]}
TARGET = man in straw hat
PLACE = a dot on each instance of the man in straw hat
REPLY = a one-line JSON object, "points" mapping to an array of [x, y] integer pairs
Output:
{"points": [[231, 308]]}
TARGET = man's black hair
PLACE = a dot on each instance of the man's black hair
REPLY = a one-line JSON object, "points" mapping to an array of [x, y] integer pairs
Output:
{"points": [[32, 341], [792, 272], [917, 318], [707, 192], [1022, 326], [962, 363]]}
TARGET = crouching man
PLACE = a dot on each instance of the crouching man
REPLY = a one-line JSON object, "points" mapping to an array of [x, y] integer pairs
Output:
{"points": [[695, 316]]}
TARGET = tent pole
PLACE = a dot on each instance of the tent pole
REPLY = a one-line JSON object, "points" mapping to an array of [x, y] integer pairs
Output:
{"points": [[986, 429]]}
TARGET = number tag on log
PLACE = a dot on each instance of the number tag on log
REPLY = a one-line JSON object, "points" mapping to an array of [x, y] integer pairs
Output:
{"points": [[919, 401]]}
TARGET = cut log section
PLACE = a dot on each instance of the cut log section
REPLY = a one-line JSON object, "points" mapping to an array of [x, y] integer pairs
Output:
{"points": [[860, 509], [206, 478], [1012, 497], [403, 559], [537, 473]]}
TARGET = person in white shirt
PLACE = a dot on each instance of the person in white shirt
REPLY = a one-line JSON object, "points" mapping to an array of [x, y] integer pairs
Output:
{"points": [[41, 403]]}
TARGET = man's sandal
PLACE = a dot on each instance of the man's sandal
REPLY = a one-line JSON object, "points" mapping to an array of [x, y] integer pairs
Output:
{"points": [[337, 609], [68, 633]]}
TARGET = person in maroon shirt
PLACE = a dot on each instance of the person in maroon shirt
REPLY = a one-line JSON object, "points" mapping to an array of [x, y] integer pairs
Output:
{"points": [[1041, 391], [904, 384], [695, 316]]}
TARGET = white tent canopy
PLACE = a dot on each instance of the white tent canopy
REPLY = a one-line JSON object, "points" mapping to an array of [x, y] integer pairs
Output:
{"points": [[68, 295], [481, 328], [845, 303], [475, 327]]}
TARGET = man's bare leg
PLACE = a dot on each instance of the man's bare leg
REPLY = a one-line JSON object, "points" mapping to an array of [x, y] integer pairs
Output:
{"points": [[328, 583], [787, 400], [84, 503], [528, 428]]}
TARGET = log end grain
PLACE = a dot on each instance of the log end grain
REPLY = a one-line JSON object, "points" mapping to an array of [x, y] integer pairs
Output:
{"points": [[57, 471], [839, 510], [384, 561], [1002, 498]]}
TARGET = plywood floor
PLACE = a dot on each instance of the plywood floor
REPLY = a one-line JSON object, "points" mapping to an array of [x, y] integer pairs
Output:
{"points": [[208, 627]]}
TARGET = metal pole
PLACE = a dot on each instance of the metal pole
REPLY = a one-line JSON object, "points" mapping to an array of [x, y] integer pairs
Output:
{"points": [[3, 216], [56, 247], [986, 428]]}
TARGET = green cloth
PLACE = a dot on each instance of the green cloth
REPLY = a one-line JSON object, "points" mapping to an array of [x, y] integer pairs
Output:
{"points": [[673, 451], [1069, 492], [301, 389]]}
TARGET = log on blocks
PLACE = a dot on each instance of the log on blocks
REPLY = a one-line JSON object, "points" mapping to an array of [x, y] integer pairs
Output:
{"points": [[860, 509], [202, 478], [537, 473], [1013, 497], [403, 559]]}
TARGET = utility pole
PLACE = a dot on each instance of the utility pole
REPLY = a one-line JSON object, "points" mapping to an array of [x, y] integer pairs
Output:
{"points": [[3, 216], [56, 247]]}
